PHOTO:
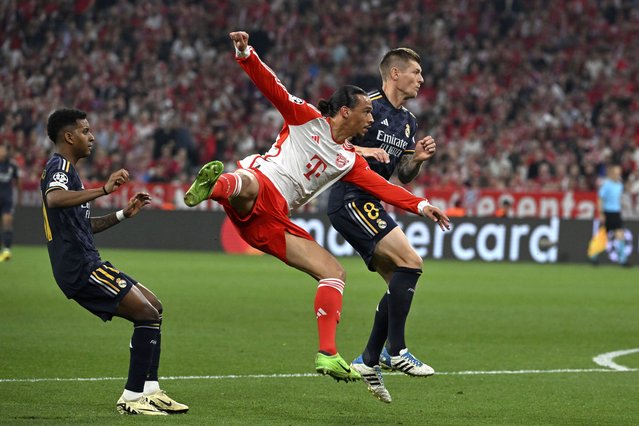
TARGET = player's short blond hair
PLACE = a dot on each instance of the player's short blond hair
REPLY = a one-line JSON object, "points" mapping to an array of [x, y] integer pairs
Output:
{"points": [[398, 58]]}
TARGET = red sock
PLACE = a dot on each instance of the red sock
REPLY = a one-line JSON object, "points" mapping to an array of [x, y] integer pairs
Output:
{"points": [[328, 305], [228, 185]]}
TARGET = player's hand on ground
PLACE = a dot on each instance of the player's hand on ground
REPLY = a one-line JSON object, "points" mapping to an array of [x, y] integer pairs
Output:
{"points": [[376, 153], [136, 203], [240, 39], [425, 148], [437, 216], [116, 180]]}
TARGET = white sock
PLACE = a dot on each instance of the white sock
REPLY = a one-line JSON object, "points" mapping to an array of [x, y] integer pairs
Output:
{"points": [[131, 396], [151, 386]]}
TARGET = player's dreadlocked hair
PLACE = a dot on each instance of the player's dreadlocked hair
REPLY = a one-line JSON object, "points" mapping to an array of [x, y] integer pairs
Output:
{"points": [[344, 96], [62, 118], [399, 58]]}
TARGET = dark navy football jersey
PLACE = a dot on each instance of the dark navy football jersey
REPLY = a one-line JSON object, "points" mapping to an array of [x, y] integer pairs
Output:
{"points": [[394, 131], [68, 230], [8, 174]]}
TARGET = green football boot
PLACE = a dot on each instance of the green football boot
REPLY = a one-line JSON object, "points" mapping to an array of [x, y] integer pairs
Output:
{"points": [[336, 367], [203, 184]]}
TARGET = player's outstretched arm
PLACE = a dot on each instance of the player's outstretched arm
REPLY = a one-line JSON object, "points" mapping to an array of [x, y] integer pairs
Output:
{"points": [[293, 109], [60, 199], [362, 176], [135, 204]]}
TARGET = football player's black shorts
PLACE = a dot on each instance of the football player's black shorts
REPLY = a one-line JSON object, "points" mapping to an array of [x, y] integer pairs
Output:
{"points": [[6, 205], [613, 221], [104, 290], [363, 223]]}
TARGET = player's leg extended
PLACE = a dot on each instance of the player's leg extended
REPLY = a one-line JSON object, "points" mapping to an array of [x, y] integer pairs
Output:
{"points": [[152, 390], [240, 188], [394, 249], [308, 256], [146, 329]]}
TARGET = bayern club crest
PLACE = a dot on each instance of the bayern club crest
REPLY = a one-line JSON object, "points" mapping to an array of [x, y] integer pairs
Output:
{"points": [[341, 160]]}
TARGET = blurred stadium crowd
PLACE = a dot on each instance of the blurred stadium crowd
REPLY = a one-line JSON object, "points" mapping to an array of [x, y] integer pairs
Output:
{"points": [[523, 95]]}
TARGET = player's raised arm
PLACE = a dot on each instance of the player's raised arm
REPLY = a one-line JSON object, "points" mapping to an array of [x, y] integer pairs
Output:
{"points": [[293, 109], [410, 164]]}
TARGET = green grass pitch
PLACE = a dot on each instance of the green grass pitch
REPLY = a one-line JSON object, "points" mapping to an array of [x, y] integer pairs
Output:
{"points": [[513, 344]]}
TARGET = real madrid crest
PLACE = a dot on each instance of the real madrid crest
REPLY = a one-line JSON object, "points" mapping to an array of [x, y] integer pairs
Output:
{"points": [[407, 130]]}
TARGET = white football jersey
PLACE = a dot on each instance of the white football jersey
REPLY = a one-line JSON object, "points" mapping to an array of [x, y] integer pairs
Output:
{"points": [[305, 160]]}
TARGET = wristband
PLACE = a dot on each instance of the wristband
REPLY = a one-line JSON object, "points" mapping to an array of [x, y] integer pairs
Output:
{"points": [[104, 190], [242, 53], [422, 205], [119, 215]]}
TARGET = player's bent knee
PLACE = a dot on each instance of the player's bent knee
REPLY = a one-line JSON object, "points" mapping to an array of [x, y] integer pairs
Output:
{"points": [[414, 262], [147, 313], [158, 306], [338, 272]]}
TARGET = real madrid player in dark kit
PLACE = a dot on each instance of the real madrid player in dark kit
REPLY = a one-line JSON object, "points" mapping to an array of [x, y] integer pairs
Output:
{"points": [[9, 177], [389, 145], [95, 284]]}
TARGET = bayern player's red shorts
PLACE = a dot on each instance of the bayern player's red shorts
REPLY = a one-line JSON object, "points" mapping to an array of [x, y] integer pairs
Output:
{"points": [[264, 227]]}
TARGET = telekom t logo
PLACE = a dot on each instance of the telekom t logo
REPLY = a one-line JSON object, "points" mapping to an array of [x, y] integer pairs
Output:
{"points": [[313, 167]]}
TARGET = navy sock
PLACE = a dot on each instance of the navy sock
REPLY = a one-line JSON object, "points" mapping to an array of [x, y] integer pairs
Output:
{"points": [[155, 359], [401, 290], [143, 343], [7, 239], [378, 334]]}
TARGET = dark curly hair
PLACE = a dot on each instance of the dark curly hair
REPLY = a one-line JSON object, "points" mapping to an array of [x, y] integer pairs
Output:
{"points": [[62, 118]]}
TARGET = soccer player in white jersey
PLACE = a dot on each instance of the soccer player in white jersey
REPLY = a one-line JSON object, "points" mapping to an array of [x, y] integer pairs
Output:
{"points": [[310, 154]]}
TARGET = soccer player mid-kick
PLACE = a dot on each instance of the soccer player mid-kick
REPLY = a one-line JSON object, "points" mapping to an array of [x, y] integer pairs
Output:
{"points": [[310, 154]]}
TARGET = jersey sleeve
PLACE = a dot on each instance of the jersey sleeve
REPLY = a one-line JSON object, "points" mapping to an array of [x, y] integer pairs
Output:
{"points": [[295, 111], [56, 178], [602, 190], [362, 176]]}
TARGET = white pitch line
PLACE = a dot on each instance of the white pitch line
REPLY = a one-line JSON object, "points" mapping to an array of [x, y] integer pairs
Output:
{"points": [[299, 375], [606, 360]]}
